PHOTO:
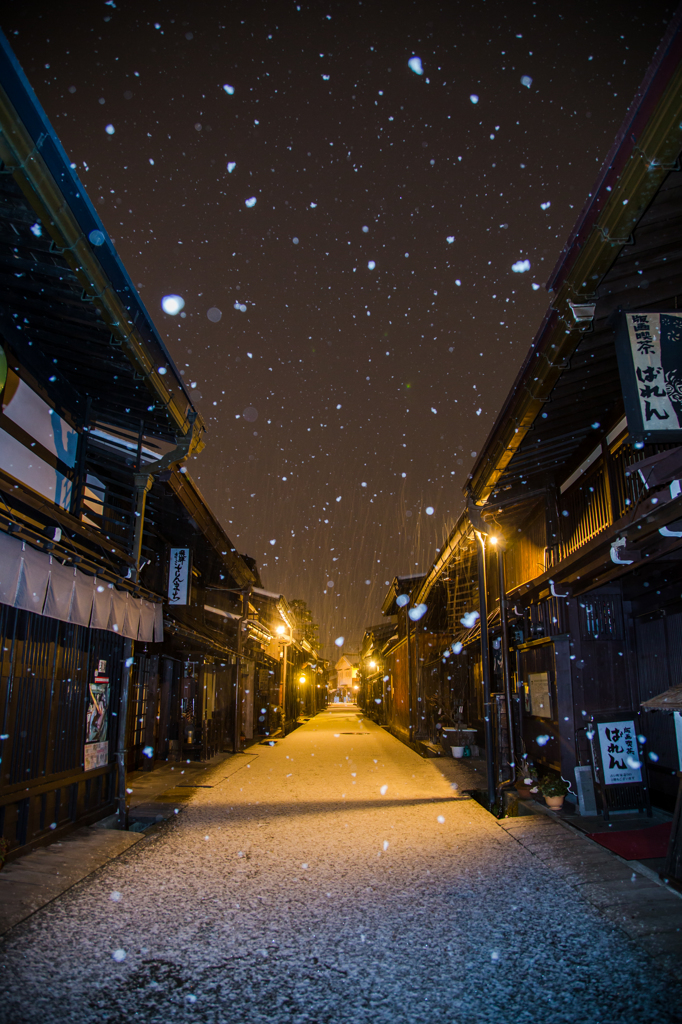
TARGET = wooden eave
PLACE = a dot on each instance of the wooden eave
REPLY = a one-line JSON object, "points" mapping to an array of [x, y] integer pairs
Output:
{"points": [[644, 161], [187, 492], [21, 156]]}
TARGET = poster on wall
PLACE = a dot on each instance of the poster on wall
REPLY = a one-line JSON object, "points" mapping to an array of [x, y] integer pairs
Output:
{"points": [[540, 699], [179, 576], [96, 751], [649, 350], [619, 753]]}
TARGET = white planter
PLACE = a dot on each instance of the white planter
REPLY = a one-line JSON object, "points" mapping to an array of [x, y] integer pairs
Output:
{"points": [[457, 751]]}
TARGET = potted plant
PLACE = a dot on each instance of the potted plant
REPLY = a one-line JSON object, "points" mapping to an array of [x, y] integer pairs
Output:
{"points": [[526, 779], [554, 789]]}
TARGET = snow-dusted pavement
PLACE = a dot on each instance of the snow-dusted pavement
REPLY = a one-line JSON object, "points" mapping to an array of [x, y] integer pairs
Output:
{"points": [[337, 878]]}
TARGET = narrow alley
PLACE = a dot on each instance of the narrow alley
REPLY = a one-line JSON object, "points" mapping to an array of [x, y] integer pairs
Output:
{"points": [[338, 876]]}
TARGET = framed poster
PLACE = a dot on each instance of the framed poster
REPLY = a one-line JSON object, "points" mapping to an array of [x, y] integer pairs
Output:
{"points": [[619, 754], [539, 694], [96, 752], [179, 576], [649, 350]]}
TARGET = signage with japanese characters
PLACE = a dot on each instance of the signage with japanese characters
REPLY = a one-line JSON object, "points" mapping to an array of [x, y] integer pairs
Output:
{"points": [[649, 349], [619, 753], [179, 575], [96, 752]]}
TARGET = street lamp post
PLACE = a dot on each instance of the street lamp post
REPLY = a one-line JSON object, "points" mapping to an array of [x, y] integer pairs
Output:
{"points": [[485, 666]]}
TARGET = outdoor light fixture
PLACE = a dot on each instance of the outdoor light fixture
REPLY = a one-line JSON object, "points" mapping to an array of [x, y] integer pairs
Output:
{"points": [[279, 630], [301, 679], [372, 664]]}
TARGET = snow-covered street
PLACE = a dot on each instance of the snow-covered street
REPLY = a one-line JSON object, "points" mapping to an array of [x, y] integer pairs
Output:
{"points": [[336, 877]]}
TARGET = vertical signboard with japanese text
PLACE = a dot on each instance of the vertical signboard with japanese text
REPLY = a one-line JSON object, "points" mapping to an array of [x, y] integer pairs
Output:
{"points": [[96, 751], [649, 349], [619, 753], [179, 576]]}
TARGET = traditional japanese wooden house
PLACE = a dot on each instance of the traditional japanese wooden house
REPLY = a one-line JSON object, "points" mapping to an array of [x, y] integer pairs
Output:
{"points": [[559, 590], [122, 600]]}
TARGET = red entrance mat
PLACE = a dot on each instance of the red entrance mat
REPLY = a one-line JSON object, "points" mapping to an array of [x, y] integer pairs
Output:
{"points": [[637, 843]]}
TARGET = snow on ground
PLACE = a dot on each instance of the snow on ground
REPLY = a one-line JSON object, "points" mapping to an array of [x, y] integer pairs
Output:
{"points": [[295, 891]]}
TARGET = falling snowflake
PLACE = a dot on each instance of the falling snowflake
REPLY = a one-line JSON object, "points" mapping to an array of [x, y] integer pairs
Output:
{"points": [[521, 266], [172, 304]]}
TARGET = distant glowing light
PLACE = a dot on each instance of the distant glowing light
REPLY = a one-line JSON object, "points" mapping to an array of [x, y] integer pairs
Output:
{"points": [[172, 304]]}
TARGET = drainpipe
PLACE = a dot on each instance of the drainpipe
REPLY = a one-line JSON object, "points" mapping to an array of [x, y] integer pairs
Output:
{"points": [[143, 483], [410, 685], [237, 740], [485, 666], [506, 670]]}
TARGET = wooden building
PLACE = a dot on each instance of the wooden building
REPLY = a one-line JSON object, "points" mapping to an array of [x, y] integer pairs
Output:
{"points": [[130, 625], [556, 602]]}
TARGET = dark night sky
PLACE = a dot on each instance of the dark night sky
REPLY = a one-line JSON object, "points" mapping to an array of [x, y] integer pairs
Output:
{"points": [[374, 388]]}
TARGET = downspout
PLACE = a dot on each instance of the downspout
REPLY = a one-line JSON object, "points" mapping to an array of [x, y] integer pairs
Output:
{"points": [[410, 685], [237, 738], [485, 667], [143, 483], [506, 669]]}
